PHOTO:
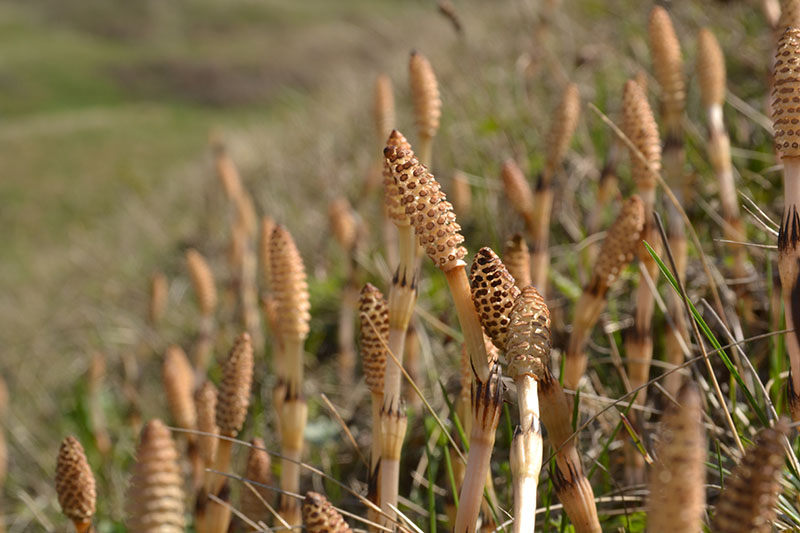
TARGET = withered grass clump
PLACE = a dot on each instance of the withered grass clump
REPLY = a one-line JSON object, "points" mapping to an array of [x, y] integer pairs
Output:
{"points": [[319, 516], [155, 498], [747, 504], [75, 485], [677, 481]]}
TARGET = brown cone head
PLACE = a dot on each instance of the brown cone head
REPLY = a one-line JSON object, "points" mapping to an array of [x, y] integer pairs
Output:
{"points": [[264, 237], [528, 344], [786, 94], [289, 285], [258, 470], [179, 387], [517, 189], [155, 498], [751, 491], [710, 69], [677, 482], [425, 93], [159, 293], [75, 485], [319, 516], [393, 189], [667, 61], [202, 281], [790, 15], [234, 389], [383, 110], [562, 126], [206, 401], [372, 307], [427, 206], [620, 245], [517, 259], [640, 126], [343, 223], [494, 292]]}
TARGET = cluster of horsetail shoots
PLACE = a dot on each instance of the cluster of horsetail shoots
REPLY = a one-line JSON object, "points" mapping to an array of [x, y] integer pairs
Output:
{"points": [[427, 103], [621, 242], [75, 485]]}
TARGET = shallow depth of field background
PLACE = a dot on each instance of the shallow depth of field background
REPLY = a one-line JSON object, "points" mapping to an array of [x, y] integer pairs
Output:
{"points": [[106, 110]]}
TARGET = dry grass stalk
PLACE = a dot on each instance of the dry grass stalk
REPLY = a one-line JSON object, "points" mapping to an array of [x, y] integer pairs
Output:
{"points": [[748, 502], [562, 127], [439, 234], [528, 354], [427, 103], [786, 115], [677, 497], [319, 516], [75, 485], [517, 259], [374, 333], [159, 294], [487, 402], [621, 242], [383, 108], [257, 470], [518, 192], [155, 499], [462, 194]]}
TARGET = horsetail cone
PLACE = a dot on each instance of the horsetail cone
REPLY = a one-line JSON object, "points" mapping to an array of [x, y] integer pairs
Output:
{"points": [[159, 294], [517, 259], [517, 190], [289, 285], [640, 127], [750, 496], [178, 376], [264, 238], [394, 189], [710, 69], [562, 127], [677, 482], [75, 484], [383, 108], [667, 61], [343, 223], [319, 516], [425, 94], [619, 246], [785, 90], [528, 340], [202, 281], [374, 315], [493, 293], [234, 389], [206, 403], [790, 15], [155, 498], [258, 471]]}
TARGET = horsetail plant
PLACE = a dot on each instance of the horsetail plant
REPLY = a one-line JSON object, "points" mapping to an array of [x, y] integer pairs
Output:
{"points": [[258, 471], [159, 294], [205, 290], [518, 192], [427, 103], [619, 246], [319, 516], [344, 227], [75, 485], [178, 379], [374, 332], [205, 399]]}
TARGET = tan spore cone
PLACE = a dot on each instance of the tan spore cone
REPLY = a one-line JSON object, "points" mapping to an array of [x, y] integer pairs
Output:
{"points": [[383, 107], [234, 389], [667, 61], [562, 127], [710, 69], [517, 258], [786, 87], [178, 377], [319, 516], [639, 125], [528, 344], [257, 470], [206, 403], [517, 189], [425, 94], [374, 315], [155, 498], [289, 285], [75, 484], [202, 281], [493, 292], [621, 242]]}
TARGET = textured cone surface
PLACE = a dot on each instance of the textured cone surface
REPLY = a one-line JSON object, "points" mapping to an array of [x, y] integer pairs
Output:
{"points": [[202, 281], [710, 68], [667, 61], [206, 402], [289, 285], [517, 189], [372, 307], [264, 238], [790, 15], [75, 485], [343, 223], [528, 344], [747, 504], [384, 107], [159, 289], [620, 244], [430, 212], [155, 495], [258, 470], [425, 93], [393, 189], [179, 387], [786, 94], [493, 293], [677, 482], [517, 259], [319, 516], [234, 390], [564, 121], [640, 127]]}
